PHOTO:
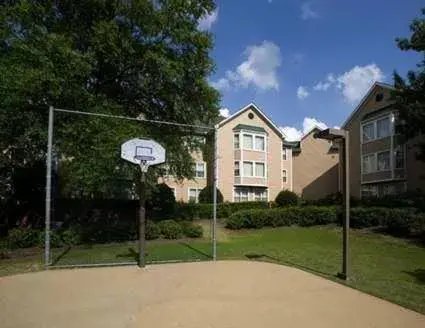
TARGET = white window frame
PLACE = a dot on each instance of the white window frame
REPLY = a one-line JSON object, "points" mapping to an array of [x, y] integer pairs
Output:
{"points": [[239, 168], [375, 127], [260, 199], [236, 136], [238, 191], [254, 163], [374, 168], [376, 161], [284, 154], [196, 169], [198, 190], [285, 176], [389, 127], [253, 136]]}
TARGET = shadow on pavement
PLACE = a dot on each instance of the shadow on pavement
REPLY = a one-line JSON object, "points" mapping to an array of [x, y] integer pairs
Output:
{"points": [[197, 250], [259, 257]]}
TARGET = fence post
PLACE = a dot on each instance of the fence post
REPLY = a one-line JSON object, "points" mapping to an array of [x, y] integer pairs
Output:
{"points": [[48, 190]]}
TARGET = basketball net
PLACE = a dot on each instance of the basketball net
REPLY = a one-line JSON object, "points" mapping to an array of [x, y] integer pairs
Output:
{"points": [[144, 166]]}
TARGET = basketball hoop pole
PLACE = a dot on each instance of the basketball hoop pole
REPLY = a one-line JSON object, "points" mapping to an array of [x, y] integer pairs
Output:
{"points": [[142, 216]]}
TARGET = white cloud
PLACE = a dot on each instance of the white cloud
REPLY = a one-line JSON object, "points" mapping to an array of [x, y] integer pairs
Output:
{"points": [[221, 84], [302, 92], [291, 133], [309, 123], [258, 70], [337, 127], [208, 20], [307, 12], [225, 112], [354, 83], [325, 85]]}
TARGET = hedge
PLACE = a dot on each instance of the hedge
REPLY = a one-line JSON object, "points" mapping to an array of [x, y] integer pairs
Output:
{"points": [[169, 229], [405, 222], [277, 217], [189, 211]]}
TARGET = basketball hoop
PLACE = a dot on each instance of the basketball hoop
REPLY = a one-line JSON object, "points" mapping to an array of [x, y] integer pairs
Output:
{"points": [[143, 163]]}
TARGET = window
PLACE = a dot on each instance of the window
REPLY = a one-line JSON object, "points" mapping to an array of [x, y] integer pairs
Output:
{"points": [[284, 176], [236, 141], [259, 143], [368, 132], [248, 169], [237, 169], [251, 116], [399, 157], [369, 191], [247, 141], [260, 194], [284, 154], [199, 169], [384, 161], [259, 170], [241, 195], [383, 127], [194, 194], [379, 97], [368, 163]]}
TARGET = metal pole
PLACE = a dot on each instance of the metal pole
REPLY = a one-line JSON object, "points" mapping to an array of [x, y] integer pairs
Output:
{"points": [[214, 230], [346, 226], [48, 190], [142, 222]]}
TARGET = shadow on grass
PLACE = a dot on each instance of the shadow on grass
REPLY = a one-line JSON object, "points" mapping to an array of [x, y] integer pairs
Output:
{"points": [[418, 274], [208, 256], [131, 254], [61, 256], [259, 257]]}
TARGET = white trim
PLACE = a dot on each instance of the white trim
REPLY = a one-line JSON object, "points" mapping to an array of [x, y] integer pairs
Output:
{"points": [[241, 173], [286, 176], [366, 97], [198, 190], [253, 135], [377, 166], [239, 137], [236, 176], [254, 164], [259, 111], [266, 166], [205, 169]]}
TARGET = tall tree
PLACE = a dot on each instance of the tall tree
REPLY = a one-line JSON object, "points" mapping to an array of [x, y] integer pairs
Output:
{"points": [[410, 93], [124, 57]]}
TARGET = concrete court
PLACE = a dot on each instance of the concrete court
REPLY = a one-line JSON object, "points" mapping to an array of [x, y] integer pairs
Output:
{"points": [[222, 294]]}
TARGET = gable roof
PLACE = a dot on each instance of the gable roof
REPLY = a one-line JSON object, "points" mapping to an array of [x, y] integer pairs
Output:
{"points": [[366, 97], [253, 107]]}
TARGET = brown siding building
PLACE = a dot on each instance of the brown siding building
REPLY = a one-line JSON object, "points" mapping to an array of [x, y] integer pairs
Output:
{"points": [[379, 163], [315, 167]]}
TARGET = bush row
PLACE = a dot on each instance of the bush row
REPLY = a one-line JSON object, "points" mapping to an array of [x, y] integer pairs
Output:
{"points": [[191, 211], [398, 221], [277, 217], [169, 229]]}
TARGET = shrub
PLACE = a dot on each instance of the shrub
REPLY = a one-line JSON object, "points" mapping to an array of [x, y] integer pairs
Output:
{"points": [[277, 217], [170, 229], [152, 231], [161, 203], [206, 195], [286, 198], [192, 211], [192, 230], [71, 236], [23, 238]]}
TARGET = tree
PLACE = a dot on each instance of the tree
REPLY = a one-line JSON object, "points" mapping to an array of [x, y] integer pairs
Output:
{"points": [[410, 95], [126, 58], [286, 198], [206, 195]]}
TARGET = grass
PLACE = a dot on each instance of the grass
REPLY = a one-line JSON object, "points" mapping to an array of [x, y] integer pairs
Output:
{"points": [[387, 267]]}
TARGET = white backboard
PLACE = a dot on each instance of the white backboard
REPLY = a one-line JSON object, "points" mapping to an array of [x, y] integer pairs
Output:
{"points": [[148, 149]]}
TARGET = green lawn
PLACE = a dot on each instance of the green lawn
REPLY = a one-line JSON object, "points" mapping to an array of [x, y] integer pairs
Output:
{"points": [[384, 266]]}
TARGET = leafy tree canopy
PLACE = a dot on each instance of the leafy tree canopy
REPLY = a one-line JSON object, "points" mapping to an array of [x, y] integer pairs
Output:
{"points": [[410, 93], [128, 57]]}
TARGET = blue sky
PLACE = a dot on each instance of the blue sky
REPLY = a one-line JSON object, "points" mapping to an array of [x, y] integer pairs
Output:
{"points": [[304, 62]]}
